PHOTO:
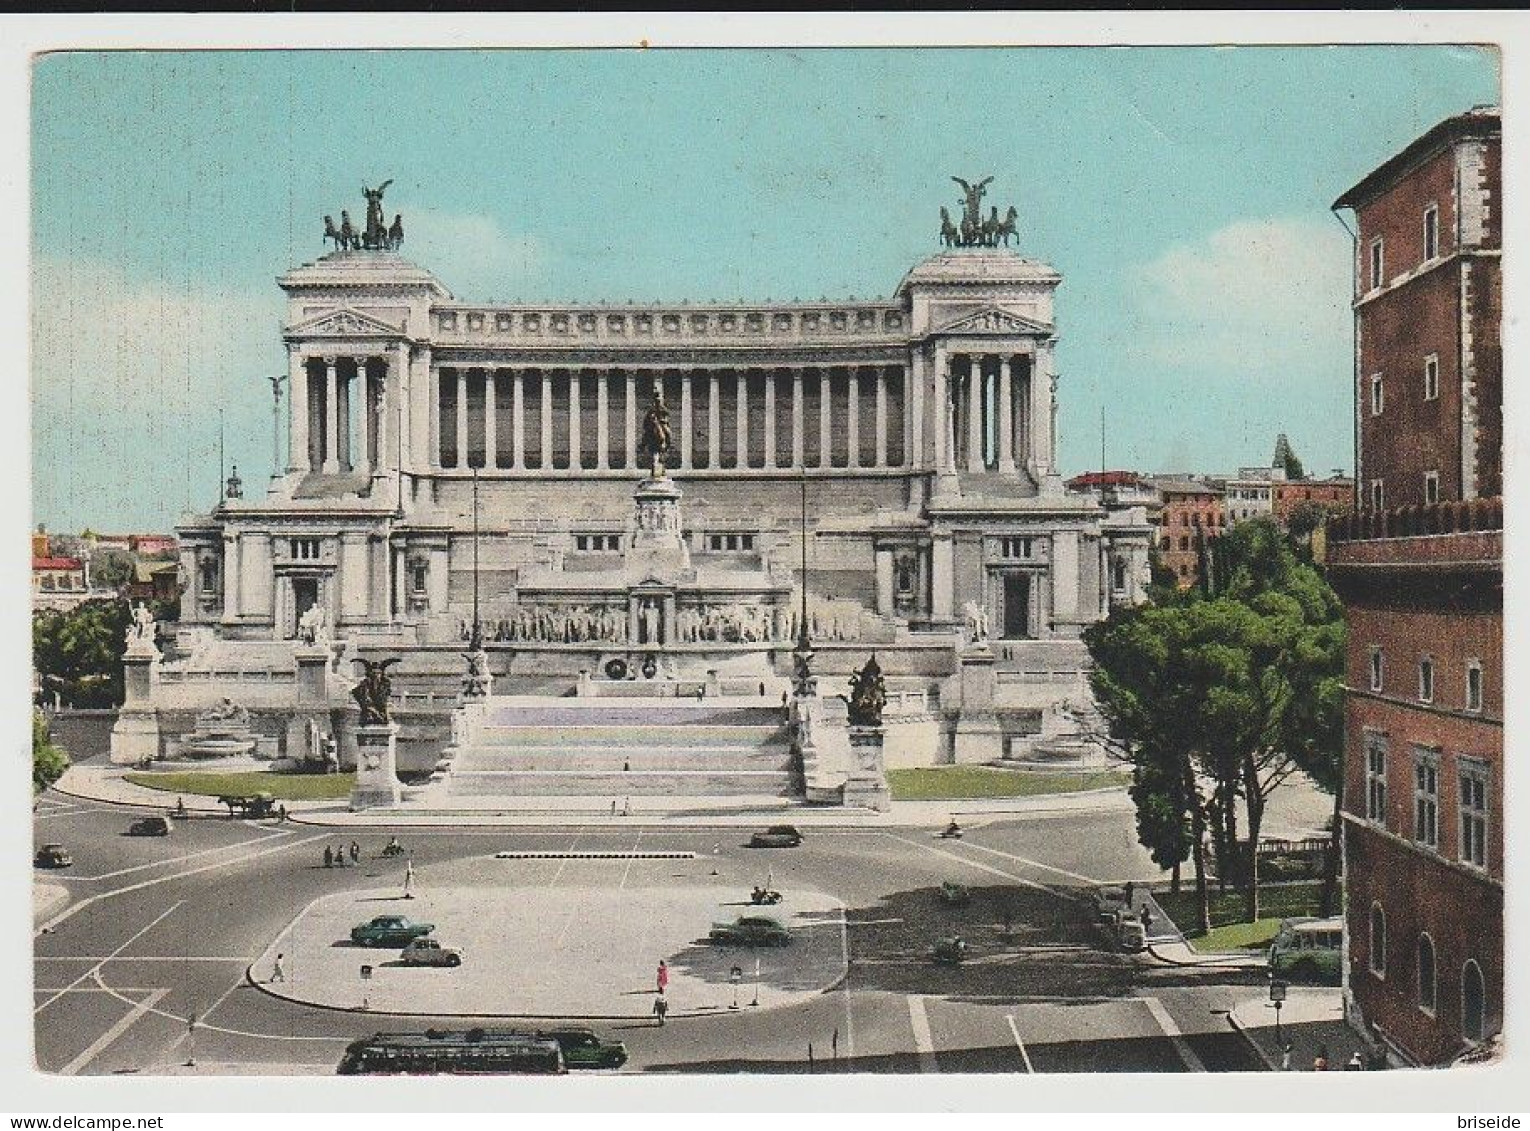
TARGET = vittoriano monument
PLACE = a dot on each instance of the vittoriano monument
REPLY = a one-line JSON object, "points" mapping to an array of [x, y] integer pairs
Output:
{"points": [[974, 230]]}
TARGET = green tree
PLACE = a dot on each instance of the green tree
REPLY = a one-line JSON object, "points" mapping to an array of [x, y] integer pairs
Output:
{"points": [[82, 649], [110, 568], [48, 761]]}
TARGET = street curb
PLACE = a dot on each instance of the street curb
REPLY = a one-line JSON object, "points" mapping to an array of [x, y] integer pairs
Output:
{"points": [[1209, 965], [1238, 1028]]}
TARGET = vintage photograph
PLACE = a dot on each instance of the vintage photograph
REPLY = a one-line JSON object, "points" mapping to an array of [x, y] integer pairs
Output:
{"points": [[915, 560]]}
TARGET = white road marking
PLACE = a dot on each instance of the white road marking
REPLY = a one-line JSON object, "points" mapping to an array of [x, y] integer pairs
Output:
{"points": [[64, 811], [1172, 1031], [97, 967], [919, 1021], [182, 859], [627, 871], [976, 864], [104, 958], [1093, 881], [1019, 1044], [101, 1043], [84, 903], [221, 1029]]}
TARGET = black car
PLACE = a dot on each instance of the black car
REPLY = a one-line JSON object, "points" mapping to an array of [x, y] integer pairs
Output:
{"points": [[53, 856], [150, 826], [777, 836]]}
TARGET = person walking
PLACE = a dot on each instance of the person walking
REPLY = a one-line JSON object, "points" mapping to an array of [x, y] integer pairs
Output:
{"points": [[277, 973], [1285, 1057], [662, 977], [329, 857], [409, 879], [355, 852], [1147, 920], [1320, 1061], [660, 1009], [1355, 1063]]}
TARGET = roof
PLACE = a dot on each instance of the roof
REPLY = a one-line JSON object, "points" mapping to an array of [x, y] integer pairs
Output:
{"points": [[57, 563], [1104, 479], [1479, 121], [1183, 487]]}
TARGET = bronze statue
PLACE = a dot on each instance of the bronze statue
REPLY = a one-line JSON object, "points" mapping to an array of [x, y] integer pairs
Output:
{"points": [[396, 233], [1008, 227], [972, 216], [974, 229], [868, 695], [347, 232], [374, 691], [656, 431], [333, 233], [949, 236], [377, 228]]}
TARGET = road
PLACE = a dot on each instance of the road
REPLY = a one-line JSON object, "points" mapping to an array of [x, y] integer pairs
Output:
{"points": [[161, 929]]}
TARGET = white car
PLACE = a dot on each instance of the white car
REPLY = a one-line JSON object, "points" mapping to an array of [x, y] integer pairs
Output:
{"points": [[428, 952]]}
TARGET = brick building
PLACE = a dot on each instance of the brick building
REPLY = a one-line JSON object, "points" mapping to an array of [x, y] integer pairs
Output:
{"points": [[1420, 570], [1189, 511]]}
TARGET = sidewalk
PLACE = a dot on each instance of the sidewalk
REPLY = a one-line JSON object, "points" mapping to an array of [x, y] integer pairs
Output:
{"points": [[1312, 1019], [46, 899], [106, 783]]}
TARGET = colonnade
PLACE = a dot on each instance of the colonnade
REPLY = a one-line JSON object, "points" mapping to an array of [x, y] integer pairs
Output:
{"points": [[339, 414], [998, 411]]}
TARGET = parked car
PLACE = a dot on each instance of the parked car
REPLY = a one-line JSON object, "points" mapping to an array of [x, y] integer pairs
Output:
{"points": [[1109, 903], [428, 952], [1307, 949], [53, 856], [950, 951], [1132, 936], [582, 1048], [751, 930], [150, 826], [777, 836], [957, 895], [389, 930]]}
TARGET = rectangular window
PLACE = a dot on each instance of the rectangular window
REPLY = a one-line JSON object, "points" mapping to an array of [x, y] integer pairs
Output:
{"points": [[1431, 486], [1474, 685], [1432, 377], [1376, 778], [1431, 232], [1377, 263], [1378, 495], [1474, 814], [1426, 680], [1378, 395], [1378, 669], [1426, 797], [418, 575]]}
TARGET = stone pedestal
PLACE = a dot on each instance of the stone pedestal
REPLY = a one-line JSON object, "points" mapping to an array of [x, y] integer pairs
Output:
{"points": [[377, 783], [978, 738], [312, 673], [866, 786], [477, 682], [656, 547], [135, 735]]}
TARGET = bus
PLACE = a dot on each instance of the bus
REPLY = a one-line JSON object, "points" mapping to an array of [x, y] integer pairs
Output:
{"points": [[1308, 949], [471, 1052]]}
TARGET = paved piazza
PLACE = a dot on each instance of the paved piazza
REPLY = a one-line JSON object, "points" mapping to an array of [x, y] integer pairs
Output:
{"points": [[557, 951]]}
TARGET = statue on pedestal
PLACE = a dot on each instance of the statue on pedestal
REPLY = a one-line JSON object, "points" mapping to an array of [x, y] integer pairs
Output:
{"points": [[656, 431], [374, 691], [977, 622], [140, 634], [475, 684], [868, 695]]}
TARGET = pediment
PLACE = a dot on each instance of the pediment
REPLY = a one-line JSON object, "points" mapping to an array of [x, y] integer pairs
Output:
{"points": [[343, 323], [994, 320]]}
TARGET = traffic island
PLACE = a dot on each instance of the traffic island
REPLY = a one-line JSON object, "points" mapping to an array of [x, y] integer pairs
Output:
{"points": [[556, 952]]}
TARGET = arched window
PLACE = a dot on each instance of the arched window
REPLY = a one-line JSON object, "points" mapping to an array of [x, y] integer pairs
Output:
{"points": [[1473, 1002], [1426, 973], [1378, 954]]}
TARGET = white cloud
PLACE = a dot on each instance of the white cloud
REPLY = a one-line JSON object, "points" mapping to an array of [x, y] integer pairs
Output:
{"points": [[128, 379], [1254, 295], [476, 258]]}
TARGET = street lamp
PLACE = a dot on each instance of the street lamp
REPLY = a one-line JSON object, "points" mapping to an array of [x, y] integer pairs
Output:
{"points": [[191, 1037], [1277, 999]]}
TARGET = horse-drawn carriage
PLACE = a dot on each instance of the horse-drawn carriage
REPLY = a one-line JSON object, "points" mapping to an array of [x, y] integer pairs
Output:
{"points": [[254, 805]]}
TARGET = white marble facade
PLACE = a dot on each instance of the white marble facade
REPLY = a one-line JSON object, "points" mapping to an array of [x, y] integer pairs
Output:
{"points": [[924, 427]]}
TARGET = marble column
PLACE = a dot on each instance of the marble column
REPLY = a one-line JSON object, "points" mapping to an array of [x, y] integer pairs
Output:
{"points": [[1006, 418], [975, 378], [825, 410], [741, 417], [518, 418], [299, 458], [770, 417], [881, 417], [575, 440], [381, 451], [490, 420], [437, 456], [363, 401], [853, 412], [942, 410], [1041, 408], [629, 422], [942, 570], [331, 417], [231, 575], [913, 408], [799, 416], [687, 446], [884, 561], [546, 453], [462, 419], [602, 421], [714, 421]]}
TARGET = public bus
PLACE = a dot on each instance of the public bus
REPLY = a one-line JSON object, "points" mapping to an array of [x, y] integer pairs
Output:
{"points": [[473, 1052]]}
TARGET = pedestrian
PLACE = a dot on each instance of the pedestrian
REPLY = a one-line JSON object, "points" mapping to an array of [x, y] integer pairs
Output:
{"points": [[762, 689], [1285, 1057], [626, 765], [329, 857], [1147, 919], [409, 879], [281, 812], [1131, 892], [1355, 1063], [277, 973], [660, 1008], [613, 806], [783, 698], [355, 852], [1320, 1061], [626, 807], [340, 855], [180, 807], [662, 978]]}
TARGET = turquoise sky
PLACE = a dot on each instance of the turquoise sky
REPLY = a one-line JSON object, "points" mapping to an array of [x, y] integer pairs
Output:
{"points": [[1183, 194]]}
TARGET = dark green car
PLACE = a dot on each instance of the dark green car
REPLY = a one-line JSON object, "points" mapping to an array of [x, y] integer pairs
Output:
{"points": [[751, 930], [583, 1049], [390, 930]]}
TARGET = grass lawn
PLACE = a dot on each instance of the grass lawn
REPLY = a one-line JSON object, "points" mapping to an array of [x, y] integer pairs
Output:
{"points": [[1229, 931], [283, 787], [950, 783]]}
